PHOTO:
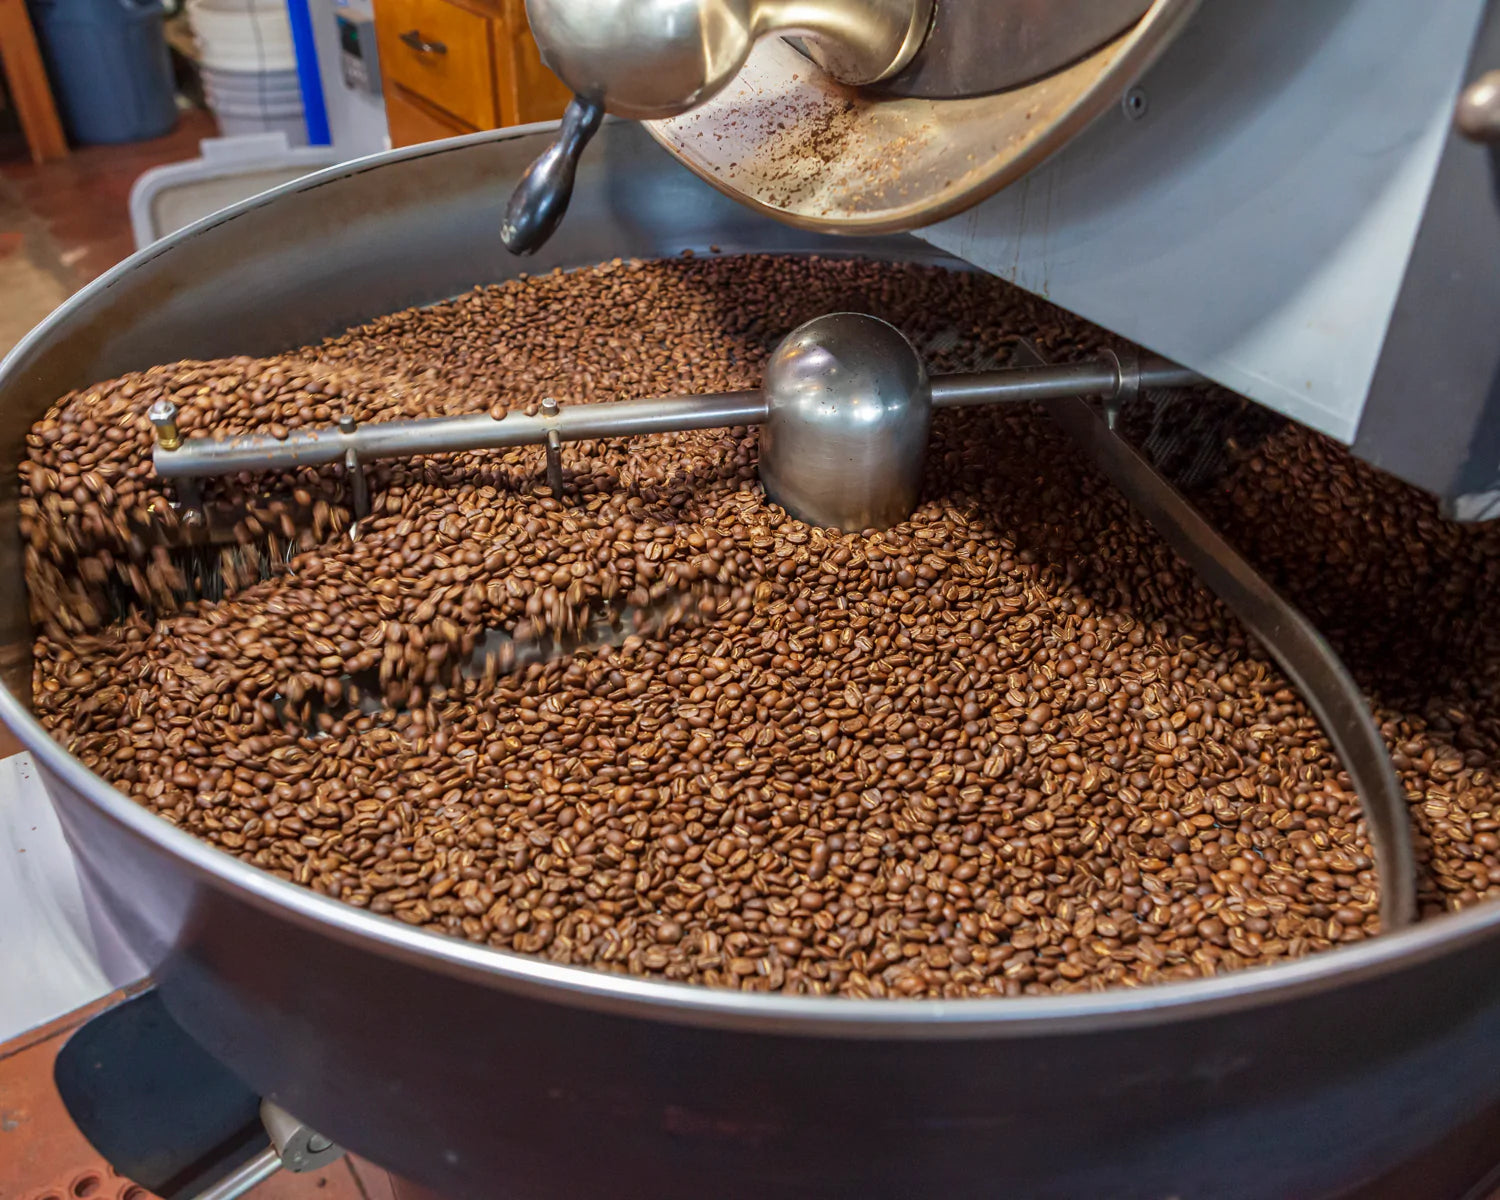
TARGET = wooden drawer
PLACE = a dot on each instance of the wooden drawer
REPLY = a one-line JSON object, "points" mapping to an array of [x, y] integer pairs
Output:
{"points": [[442, 53], [412, 120], [529, 91]]}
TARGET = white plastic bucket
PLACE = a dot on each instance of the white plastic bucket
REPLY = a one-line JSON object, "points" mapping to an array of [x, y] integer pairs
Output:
{"points": [[277, 89], [243, 35], [295, 127]]}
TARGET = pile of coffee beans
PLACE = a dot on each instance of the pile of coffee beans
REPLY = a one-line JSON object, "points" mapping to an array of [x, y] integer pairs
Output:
{"points": [[1009, 747]]}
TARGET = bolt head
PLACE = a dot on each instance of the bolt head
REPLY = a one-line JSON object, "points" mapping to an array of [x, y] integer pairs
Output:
{"points": [[848, 407], [161, 412], [1478, 113]]}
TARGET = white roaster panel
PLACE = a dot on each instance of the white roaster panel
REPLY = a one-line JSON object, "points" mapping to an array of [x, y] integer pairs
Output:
{"points": [[58, 951], [1256, 222]]}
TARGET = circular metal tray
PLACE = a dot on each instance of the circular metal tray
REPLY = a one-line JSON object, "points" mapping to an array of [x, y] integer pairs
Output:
{"points": [[458, 1065], [793, 144]]}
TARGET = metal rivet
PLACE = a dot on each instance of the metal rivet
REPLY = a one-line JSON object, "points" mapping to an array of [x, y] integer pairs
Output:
{"points": [[1478, 113], [1135, 103], [163, 415]]}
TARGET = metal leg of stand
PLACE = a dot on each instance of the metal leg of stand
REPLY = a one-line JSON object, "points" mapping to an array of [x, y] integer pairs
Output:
{"points": [[238, 1182], [294, 1147]]}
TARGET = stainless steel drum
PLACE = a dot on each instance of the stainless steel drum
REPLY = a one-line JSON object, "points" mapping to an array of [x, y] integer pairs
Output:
{"points": [[483, 1074]]}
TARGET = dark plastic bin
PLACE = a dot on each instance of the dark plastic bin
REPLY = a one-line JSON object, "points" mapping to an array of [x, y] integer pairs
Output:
{"points": [[110, 67]]}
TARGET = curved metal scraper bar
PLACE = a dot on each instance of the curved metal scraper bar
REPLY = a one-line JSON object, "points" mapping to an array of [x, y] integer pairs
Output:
{"points": [[980, 46], [1302, 652]]}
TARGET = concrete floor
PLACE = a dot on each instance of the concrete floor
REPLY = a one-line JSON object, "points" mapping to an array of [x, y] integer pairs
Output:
{"points": [[33, 278], [65, 223]]}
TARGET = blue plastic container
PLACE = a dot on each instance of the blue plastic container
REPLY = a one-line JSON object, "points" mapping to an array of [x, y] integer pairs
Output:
{"points": [[110, 68]]}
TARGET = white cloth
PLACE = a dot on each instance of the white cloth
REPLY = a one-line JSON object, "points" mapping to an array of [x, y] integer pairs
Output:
{"points": [[57, 950]]}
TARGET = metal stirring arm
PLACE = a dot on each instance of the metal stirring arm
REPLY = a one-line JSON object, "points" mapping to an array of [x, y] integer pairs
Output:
{"points": [[454, 435], [1301, 651], [176, 457], [844, 413]]}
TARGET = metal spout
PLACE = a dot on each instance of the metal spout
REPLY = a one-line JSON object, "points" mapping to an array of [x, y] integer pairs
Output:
{"points": [[650, 59]]}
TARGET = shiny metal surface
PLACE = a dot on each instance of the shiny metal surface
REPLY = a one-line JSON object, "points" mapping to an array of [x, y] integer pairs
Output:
{"points": [[848, 407], [540, 200], [245, 1178], [1308, 660], [845, 408], [1478, 113], [792, 143], [1056, 381], [414, 39], [451, 435], [175, 458], [979, 46], [294, 1147], [299, 1147], [163, 417], [457, 1066], [649, 59]]}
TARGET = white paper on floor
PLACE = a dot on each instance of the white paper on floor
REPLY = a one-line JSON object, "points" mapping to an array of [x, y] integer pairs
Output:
{"points": [[50, 953]]}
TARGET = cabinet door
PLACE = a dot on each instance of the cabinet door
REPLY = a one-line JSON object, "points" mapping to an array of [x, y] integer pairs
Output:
{"points": [[529, 91], [442, 53], [411, 120]]}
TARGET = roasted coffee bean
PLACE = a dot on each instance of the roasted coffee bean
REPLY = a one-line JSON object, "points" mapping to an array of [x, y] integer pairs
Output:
{"points": [[1009, 747]]}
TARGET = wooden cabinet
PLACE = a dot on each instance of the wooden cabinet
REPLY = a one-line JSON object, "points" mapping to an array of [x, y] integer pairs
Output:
{"points": [[529, 90], [455, 66], [410, 120], [24, 76]]}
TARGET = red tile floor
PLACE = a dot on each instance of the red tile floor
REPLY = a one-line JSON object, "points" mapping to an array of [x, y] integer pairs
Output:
{"points": [[82, 202], [44, 1157]]}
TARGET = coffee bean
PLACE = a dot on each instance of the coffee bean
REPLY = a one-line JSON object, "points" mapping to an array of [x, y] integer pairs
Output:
{"points": [[1009, 747]]}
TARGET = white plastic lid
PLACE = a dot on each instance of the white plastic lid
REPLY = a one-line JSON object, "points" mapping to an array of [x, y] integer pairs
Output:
{"points": [[171, 197]]}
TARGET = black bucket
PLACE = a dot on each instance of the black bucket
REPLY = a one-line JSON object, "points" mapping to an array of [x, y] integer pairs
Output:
{"points": [[110, 67]]}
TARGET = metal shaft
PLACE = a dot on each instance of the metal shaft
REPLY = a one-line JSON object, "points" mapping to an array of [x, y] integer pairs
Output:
{"points": [[244, 1177], [1062, 382], [628, 418], [294, 1146], [451, 435], [1308, 660]]}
